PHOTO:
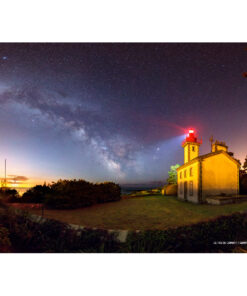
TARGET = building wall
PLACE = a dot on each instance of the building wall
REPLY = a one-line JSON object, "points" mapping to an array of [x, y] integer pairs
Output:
{"points": [[219, 175], [194, 178]]}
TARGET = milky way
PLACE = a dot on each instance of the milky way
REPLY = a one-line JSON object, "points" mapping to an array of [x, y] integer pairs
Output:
{"points": [[116, 111]]}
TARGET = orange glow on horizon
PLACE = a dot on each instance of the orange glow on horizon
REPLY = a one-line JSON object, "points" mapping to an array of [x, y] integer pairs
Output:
{"points": [[12, 183]]}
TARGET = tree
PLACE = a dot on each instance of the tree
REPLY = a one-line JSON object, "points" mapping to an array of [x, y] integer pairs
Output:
{"points": [[36, 194], [9, 195], [245, 164], [172, 179], [245, 73]]}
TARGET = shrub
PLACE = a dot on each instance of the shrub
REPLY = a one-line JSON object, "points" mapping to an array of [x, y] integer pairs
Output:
{"points": [[243, 184], [9, 195], [26, 235], [36, 194], [108, 191], [202, 237], [71, 194], [80, 193], [5, 245]]}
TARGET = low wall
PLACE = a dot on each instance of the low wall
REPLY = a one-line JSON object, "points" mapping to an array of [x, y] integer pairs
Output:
{"points": [[120, 235]]}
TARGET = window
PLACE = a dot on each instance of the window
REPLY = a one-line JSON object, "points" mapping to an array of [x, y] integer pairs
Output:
{"points": [[184, 173], [193, 148], [181, 187], [191, 188], [180, 175], [191, 172]]}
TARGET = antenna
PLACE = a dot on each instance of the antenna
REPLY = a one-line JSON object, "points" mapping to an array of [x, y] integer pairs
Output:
{"points": [[211, 139]]}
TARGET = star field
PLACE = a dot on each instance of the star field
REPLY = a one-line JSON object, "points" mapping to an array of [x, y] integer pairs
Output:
{"points": [[116, 111]]}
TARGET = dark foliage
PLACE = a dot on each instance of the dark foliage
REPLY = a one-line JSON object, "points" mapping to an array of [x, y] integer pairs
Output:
{"points": [[107, 191], [223, 234], [9, 195], [243, 182], [52, 236], [5, 244], [36, 194], [219, 235], [71, 194], [245, 164]]}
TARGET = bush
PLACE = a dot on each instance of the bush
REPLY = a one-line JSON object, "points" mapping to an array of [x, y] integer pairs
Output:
{"points": [[36, 194], [71, 194], [108, 191], [9, 195], [243, 184], [202, 237], [26, 235], [5, 244]]}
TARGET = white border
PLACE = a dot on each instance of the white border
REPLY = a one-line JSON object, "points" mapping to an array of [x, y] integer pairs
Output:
{"points": [[122, 21], [125, 274]]}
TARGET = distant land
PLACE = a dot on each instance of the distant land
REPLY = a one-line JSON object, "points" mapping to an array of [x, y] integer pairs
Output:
{"points": [[129, 187]]}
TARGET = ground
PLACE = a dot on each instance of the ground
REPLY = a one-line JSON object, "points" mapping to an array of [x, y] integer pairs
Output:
{"points": [[150, 212]]}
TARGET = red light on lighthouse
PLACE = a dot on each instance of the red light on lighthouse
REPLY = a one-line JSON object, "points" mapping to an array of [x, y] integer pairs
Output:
{"points": [[191, 137]]}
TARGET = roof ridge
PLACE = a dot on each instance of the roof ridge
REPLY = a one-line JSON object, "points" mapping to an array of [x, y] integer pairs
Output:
{"points": [[208, 155]]}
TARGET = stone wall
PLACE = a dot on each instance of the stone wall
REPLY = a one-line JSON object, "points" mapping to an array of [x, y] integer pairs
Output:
{"points": [[120, 235]]}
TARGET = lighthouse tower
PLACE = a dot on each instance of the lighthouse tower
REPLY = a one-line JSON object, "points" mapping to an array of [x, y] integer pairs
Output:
{"points": [[191, 146]]}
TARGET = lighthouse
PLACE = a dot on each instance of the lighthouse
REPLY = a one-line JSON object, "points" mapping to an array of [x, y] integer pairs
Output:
{"points": [[191, 146], [201, 176]]}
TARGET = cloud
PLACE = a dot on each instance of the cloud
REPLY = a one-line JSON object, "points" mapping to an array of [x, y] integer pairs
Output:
{"points": [[17, 178]]}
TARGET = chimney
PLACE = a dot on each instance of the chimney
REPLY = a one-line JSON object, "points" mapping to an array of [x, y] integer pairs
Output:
{"points": [[219, 146]]}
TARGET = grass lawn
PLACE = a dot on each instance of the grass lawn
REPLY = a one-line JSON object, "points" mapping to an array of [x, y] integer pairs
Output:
{"points": [[151, 212]]}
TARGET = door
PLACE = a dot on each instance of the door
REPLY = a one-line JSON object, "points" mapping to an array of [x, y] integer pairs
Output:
{"points": [[185, 191]]}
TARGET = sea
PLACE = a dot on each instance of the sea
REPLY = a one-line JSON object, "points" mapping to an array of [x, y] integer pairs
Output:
{"points": [[128, 190]]}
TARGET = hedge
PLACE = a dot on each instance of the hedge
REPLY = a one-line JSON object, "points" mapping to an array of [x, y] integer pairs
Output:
{"points": [[213, 236], [25, 235], [5, 244], [53, 236]]}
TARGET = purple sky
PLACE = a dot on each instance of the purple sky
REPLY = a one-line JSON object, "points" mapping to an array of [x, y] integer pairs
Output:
{"points": [[116, 111]]}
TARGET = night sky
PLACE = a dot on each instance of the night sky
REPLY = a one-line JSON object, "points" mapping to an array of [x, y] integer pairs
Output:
{"points": [[116, 111]]}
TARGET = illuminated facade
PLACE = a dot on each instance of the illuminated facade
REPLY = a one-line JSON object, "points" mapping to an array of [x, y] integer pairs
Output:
{"points": [[212, 174]]}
